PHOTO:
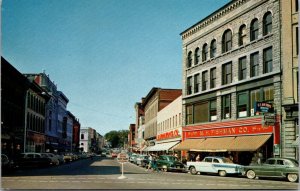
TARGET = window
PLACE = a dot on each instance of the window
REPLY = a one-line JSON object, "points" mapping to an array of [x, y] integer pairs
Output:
{"points": [[268, 94], [204, 52], [267, 27], [216, 161], [213, 78], [242, 104], [242, 35], [254, 30], [82, 136], [213, 110], [242, 68], [297, 41], [213, 48], [270, 161], [208, 160], [201, 112], [204, 80], [254, 64], [189, 85], [196, 83], [227, 41], [197, 56], [226, 103], [190, 59], [296, 5], [189, 114], [226, 73], [254, 97], [268, 65]]}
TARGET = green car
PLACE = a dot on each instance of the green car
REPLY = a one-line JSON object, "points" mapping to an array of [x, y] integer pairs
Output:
{"points": [[274, 167], [170, 163]]}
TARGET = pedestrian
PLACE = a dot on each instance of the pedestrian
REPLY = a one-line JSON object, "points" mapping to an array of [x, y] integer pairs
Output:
{"points": [[150, 162], [198, 158], [154, 164]]}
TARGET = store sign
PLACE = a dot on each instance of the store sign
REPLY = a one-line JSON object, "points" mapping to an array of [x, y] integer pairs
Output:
{"points": [[229, 131], [168, 135], [269, 119], [264, 107]]}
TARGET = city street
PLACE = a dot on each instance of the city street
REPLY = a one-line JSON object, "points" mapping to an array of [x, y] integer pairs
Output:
{"points": [[103, 173]]}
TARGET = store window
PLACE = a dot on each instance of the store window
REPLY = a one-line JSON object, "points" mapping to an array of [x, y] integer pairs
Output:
{"points": [[189, 114], [242, 105], [227, 41], [197, 56], [242, 35], [204, 80], [227, 73], [254, 63], [189, 85], [268, 94], [196, 83], [213, 110], [267, 23], [268, 60], [254, 97], [213, 48], [226, 106], [254, 30], [242, 68], [213, 77], [204, 52]]}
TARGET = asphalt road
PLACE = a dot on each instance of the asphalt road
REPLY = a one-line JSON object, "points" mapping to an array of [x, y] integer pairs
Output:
{"points": [[104, 173]]}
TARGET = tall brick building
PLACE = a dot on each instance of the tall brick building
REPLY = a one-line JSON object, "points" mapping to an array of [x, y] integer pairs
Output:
{"points": [[231, 61]]}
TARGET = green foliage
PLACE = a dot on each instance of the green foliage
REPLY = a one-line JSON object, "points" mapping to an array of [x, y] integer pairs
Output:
{"points": [[117, 138]]}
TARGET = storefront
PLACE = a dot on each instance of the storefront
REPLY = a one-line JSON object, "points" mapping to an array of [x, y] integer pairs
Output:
{"points": [[242, 140]]}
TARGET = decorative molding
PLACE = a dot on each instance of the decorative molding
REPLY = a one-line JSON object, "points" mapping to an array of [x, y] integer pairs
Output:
{"points": [[213, 18]]}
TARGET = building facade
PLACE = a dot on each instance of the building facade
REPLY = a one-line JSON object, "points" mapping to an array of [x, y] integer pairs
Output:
{"points": [[231, 64], [85, 140], [290, 78], [156, 100]]}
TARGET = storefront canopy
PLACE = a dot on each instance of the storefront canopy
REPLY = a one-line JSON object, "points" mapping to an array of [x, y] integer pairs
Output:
{"points": [[163, 146], [189, 144], [223, 144]]}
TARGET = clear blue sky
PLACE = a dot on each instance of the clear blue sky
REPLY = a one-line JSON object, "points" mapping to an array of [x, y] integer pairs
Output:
{"points": [[105, 55]]}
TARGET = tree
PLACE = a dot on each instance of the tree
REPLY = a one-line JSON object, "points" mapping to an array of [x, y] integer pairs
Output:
{"points": [[117, 138]]}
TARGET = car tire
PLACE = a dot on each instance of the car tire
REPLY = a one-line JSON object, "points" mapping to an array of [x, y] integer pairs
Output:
{"points": [[222, 173], [250, 174], [193, 170], [292, 177]]}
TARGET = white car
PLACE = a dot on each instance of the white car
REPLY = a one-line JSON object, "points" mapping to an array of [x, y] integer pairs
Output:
{"points": [[218, 165]]}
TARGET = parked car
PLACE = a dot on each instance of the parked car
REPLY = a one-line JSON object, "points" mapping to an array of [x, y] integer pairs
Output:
{"points": [[54, 159], [140, 159], [213, 164], [114, 155], [60, 158], [170, 163], [274, 167], [145, 161], [31, 160], [68, 157], [133, 157], [6, 164]]}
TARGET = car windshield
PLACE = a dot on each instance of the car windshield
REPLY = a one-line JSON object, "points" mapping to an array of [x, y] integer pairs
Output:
{"points": [[227, 160]]}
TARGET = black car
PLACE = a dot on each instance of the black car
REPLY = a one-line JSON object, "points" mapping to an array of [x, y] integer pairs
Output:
{"points": [[6, 164], [32, 160]]}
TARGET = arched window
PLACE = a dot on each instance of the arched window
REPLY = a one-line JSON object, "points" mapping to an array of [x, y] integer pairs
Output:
{"points": [[213, 48], [267, 28], [204, 52], [190, 59], [242, 35], [197, 56], [227, 41], [254, 30]]}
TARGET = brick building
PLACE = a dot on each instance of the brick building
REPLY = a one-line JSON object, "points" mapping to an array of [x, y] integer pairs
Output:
{"points": [[231, 61]]}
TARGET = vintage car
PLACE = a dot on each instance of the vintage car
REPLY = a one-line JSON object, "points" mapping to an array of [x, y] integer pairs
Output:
{"points": [[140, 158], [213, 164], [169, 163], [274, 167], [31, 160]]}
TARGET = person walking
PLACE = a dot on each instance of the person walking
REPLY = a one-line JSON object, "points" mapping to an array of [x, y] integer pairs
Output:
{"points": [[150, 162], [154, 162]]}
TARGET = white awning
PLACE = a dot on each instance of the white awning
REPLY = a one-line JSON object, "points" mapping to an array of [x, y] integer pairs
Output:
{"points": [[163, 146]]}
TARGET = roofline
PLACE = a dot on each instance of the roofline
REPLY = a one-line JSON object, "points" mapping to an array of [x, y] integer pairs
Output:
{"points": [[226, 5]]}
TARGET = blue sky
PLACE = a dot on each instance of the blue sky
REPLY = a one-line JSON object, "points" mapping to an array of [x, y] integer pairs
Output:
{"points": [[105, 55]]}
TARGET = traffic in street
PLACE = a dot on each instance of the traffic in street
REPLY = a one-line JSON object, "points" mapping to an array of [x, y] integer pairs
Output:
{"points": [[102, 172]]}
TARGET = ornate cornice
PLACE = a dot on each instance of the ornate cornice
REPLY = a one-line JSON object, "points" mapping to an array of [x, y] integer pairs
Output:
{"points": [[213, 17]]}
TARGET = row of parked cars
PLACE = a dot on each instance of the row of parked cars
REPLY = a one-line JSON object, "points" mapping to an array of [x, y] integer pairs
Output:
{"points": [[285, 168], [32, 159]]}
